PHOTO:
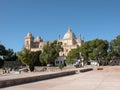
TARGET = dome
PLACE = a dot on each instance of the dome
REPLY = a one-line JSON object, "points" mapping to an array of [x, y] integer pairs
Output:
{"points": [[38, 39], [69, 35], [29, 35]]}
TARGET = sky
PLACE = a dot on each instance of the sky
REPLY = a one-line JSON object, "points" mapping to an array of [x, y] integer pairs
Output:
{"points": [[49, 18]]}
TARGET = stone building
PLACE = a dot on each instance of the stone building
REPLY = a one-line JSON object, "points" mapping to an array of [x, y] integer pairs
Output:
{"points": [[69, 41], [33, 44]]}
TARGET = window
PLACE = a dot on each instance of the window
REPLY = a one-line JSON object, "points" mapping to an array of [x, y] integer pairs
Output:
{"points": [[57, 62]]}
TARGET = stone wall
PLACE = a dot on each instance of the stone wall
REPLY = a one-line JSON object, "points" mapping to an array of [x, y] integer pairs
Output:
{"points": [[23, 80], [52, 69], [20, 80]]}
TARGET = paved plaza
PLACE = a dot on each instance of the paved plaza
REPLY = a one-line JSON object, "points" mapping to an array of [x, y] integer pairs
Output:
{"points": [[93, 80]]}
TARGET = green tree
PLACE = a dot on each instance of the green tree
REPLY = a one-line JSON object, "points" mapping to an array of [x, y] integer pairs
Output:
{"points": [[115, 48], [95, 50], [46, 55], [6, 55], [100, 50], [25, 56], [72, 56], [50, 52], [35, 60], [61, 66], [29, 58], [85, 49], [2, 54], [2, 51], [10, 55]]}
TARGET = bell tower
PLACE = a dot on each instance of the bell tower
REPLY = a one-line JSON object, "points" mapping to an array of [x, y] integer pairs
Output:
{"points": [[29, 39]]}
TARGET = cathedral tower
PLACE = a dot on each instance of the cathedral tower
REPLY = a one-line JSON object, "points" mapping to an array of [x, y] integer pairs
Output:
{"points": [[29, 39]]}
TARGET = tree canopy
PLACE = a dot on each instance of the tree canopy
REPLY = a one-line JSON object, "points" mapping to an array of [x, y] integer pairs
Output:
{"points": [[115, 48], [95, 50], [72, 56], [50, 52], [29, 58], [25, 56], [10, 55], [6, 55], [2, 51]]}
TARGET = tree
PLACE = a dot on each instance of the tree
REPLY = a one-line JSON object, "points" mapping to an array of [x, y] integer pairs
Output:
{"points": [[35, 58], [72, 56], [35, 61], [2, 54], [115, 48], [50, 52], [29, 58], [10, 55], [6, 55], [25, 56], [85, 49], [95, 50], [100, 50], [45, 57], [2, 51]]}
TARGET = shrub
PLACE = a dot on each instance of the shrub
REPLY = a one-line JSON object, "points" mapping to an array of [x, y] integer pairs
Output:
{"points": [[61, 66]]}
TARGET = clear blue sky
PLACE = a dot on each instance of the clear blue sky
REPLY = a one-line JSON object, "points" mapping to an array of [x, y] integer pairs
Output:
{"points": [[48, 18]]}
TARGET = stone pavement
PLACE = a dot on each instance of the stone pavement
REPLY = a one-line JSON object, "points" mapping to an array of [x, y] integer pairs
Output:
{"points": [[93, 80]]}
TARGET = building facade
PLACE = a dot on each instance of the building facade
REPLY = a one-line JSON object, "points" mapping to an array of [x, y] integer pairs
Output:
{"points": [[69, 41], [33, 44]]}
